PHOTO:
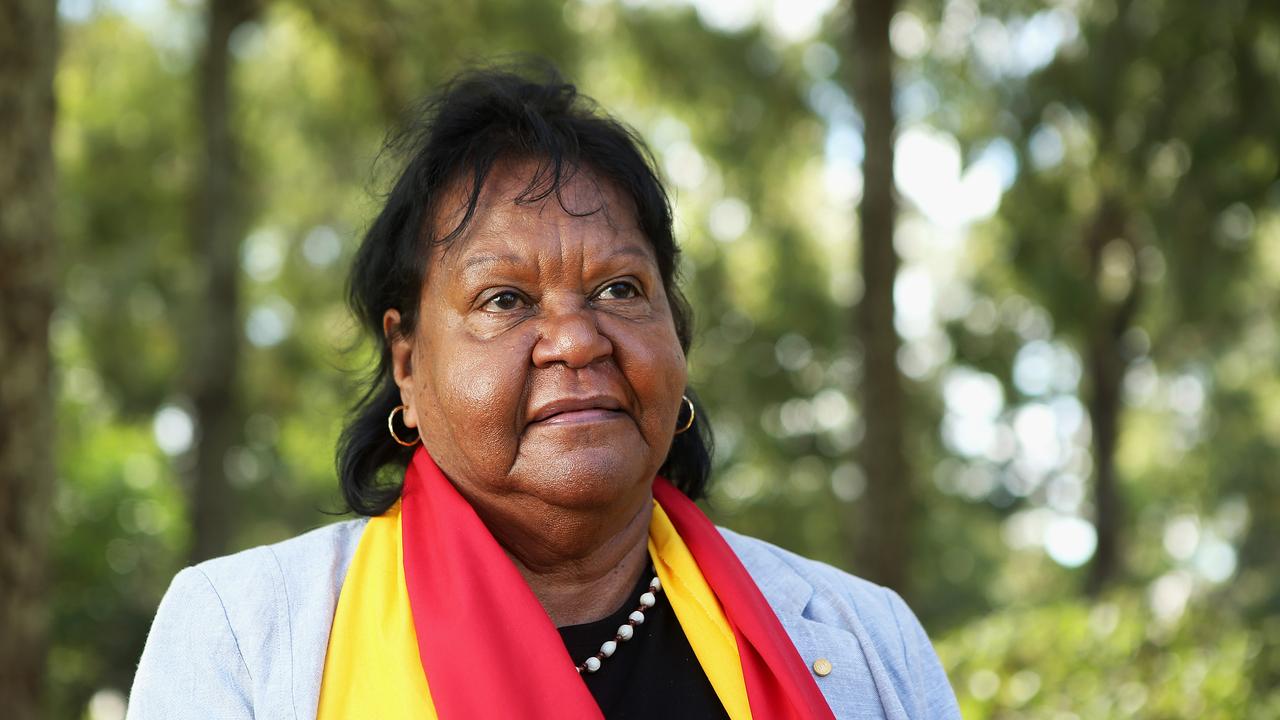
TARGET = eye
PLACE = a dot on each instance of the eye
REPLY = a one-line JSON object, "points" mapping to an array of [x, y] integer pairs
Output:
{"points": [[504, 301], [619, 290]]}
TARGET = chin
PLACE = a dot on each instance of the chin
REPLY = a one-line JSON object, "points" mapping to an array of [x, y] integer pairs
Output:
{"points": [[585, 478]]}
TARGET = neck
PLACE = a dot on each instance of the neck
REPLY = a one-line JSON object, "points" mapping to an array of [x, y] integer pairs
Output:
{"points": [[582, 568]]}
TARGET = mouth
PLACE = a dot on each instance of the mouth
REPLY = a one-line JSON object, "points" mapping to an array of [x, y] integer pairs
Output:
{"points": [[568, 411]]}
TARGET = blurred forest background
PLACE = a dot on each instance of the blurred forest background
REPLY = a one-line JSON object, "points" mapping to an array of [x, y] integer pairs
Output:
{"points": [[1036, 387]]}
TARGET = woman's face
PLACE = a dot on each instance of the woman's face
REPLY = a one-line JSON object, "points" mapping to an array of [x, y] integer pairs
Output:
{"points": [[544, 368]]}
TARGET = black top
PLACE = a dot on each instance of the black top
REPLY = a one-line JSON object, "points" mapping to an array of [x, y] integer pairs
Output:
{"points": [[654, 674]]}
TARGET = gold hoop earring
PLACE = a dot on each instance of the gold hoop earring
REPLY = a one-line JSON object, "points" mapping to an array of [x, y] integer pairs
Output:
{"points": [[392, 428], [692, 414]]}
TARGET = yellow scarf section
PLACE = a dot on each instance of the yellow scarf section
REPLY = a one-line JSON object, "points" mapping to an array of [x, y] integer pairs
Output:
{"points": [[372, 667]]}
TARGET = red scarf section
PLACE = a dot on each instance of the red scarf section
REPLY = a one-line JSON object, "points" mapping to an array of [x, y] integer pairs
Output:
{"points": [[489, 650]]}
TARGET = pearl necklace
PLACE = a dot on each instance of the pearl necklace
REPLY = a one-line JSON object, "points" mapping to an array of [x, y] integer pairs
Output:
{"points": [[625, 632]]}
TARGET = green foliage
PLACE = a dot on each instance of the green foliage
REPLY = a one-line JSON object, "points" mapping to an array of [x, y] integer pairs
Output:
{"points": [[1112, 659], [118, 538]]}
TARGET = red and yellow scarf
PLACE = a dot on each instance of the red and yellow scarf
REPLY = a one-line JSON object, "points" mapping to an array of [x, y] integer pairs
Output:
{"points": [[434, 620]]}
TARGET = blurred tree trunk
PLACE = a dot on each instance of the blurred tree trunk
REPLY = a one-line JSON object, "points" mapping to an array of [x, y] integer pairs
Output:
{"points": [[1106, 363], [217, 225], [882, 529], [28, 50]]}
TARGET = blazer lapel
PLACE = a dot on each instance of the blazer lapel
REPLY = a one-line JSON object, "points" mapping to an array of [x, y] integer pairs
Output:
{"points": [[822, 623]]}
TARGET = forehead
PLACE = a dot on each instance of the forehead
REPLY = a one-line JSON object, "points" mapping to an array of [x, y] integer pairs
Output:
{"points": [[586, 209]]}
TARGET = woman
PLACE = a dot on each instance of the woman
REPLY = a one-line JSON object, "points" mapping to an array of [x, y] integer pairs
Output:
{"points": [[525, 461]]}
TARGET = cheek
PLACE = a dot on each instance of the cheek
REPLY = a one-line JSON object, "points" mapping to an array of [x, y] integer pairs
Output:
{"points": [[654, 367], [473, 398]]}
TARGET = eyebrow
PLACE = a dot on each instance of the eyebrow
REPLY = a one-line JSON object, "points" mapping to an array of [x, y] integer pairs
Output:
{"points": [[486, 258], [634, 250], [491, 259]]}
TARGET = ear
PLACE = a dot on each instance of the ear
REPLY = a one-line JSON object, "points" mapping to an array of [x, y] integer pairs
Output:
{"points": [[401, 346]]}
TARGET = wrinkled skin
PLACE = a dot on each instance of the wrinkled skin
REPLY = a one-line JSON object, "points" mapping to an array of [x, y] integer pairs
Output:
{"points": [[532, 308]]}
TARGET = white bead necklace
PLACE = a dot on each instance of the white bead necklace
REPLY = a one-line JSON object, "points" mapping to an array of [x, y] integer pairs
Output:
{"points": [[625, 632]]}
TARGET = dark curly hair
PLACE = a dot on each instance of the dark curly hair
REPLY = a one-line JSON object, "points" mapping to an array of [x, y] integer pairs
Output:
{"points": [[479, 117]]}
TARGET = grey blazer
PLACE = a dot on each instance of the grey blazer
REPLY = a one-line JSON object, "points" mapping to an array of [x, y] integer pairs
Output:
{"points": [[244, 636]]}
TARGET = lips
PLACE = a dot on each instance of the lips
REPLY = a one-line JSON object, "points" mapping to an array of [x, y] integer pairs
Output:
{"points": [[583, 409]]}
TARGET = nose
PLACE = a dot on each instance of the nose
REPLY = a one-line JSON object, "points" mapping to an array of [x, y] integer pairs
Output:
{"points": [[571, 336]]}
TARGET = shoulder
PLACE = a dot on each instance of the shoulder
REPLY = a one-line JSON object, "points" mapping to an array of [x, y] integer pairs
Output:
{"points": [[267, 588], [818, 592], [832, 614], [260, 574], [783, 570], [245, 628]]}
